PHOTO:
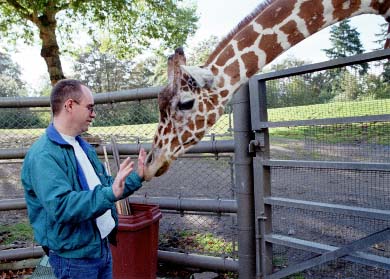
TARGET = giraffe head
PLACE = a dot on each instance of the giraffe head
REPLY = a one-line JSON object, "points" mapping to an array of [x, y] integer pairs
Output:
{"points": [[195, 97], [187, 109]]}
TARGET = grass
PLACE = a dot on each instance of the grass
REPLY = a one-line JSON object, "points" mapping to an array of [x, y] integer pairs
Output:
{"points": [[345, 133], [207, 243], [16, 232]]}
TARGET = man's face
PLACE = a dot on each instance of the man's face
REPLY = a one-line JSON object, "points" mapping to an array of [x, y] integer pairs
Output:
{"points": [[84, 110]]}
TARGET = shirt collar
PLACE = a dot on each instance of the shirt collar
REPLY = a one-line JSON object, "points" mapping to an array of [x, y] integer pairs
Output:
{"points": [[55, 136]]}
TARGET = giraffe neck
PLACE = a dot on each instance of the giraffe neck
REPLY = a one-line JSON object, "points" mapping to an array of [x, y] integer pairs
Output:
{"points": [[272, 29]]}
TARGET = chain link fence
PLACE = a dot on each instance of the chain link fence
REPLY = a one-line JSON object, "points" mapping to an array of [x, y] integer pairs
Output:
{"points": [[191, 176]]}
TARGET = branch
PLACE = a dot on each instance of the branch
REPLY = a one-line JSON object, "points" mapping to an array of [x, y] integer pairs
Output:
{"points": [[20, 9], [62, 7]]}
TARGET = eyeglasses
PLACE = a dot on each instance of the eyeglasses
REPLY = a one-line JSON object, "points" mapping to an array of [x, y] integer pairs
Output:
{"points": [[91, 108]]}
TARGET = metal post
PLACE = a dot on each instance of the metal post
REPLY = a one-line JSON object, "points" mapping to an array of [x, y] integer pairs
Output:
{"points": [[262, 178], [244, 184]]}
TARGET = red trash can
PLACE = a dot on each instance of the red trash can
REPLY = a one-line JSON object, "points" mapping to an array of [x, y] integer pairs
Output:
{"points": [[135, 255]]}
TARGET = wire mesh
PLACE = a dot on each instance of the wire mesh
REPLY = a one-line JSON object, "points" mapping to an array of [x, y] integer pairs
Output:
{"points": [[344, 94], [197, 176]]}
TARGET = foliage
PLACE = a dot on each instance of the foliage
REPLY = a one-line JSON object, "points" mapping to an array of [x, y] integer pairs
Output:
{"points": [[197, 56], [381, 38], [21, 118], [199, 53], [382, 35], [104, 72], [124, 28], [207, 243], [345, 42], [10, 83]]}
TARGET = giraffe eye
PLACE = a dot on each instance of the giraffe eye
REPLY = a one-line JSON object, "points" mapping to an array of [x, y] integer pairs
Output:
{"points": [[186, 105], [192, 83]]}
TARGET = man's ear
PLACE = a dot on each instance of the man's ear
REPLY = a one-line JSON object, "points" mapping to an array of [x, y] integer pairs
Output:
{"points": [[203, 77]]}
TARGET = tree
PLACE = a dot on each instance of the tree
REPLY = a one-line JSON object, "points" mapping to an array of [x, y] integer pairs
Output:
{"points": [[10, 83], [131, 25], [12, 86], [197, 56], [104, 72], [345, 42], [381, 41]]}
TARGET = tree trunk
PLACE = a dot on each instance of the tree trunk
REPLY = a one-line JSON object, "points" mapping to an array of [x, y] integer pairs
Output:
{"points": [[50, 50]]}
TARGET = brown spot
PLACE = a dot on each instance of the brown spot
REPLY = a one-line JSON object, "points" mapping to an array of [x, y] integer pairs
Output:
{"points": [[185, 88], [312, 13], [275, 14], [183, 82], [168, 128], [294, 36], [270, 46], [251, 62], [214, 99], [166, 141], [224, 93], [382, 8], [199, 122], [214, 70], [211, 119], [233, 70], [191, 126], [246, 37], [221, 110], [199, 135], [200, 107], [221, 82], [186, 136], [174, 143], [209, 105], [226, 54], [339, 13]]}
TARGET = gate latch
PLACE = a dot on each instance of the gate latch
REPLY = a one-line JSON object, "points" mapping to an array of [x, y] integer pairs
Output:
{"points": [[256, 145]]}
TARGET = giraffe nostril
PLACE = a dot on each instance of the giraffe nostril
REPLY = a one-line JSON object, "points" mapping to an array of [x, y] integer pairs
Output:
{"points": [[149, 158]]}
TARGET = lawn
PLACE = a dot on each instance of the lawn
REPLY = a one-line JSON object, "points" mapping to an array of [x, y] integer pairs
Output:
{"points": [[334, 133]]}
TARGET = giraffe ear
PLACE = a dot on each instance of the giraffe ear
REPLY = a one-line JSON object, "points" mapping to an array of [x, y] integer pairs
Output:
{"points": [[203, 77]]}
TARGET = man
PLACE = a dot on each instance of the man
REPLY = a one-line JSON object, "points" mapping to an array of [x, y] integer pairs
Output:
{"points": [[70, 198]]}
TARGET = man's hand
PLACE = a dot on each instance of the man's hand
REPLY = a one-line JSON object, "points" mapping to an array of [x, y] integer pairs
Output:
{"points": [[119, 183], [141, 163]]}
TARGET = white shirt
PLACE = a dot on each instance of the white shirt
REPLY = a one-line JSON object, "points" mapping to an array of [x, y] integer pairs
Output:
{"points": [[105, 222]]}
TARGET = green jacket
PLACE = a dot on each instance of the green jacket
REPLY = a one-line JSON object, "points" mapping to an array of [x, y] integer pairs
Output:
{"points": [[61, 208]]}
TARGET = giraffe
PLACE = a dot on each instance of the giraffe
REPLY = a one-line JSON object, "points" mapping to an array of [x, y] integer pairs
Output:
{"points": [[195, 97]]}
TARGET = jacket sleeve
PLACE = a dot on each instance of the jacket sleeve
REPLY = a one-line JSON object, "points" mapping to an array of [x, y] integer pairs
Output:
{"points": [[55, 190]]}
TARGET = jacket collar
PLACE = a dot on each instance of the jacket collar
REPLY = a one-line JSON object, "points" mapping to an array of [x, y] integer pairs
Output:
{"points": [[55, 136]]}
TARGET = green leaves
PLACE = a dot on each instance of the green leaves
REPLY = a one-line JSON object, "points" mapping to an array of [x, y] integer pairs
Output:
{"points": [[128, 27]]}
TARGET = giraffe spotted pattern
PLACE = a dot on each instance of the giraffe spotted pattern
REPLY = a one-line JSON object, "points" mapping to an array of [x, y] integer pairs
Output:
{"points": [[195, 97]]}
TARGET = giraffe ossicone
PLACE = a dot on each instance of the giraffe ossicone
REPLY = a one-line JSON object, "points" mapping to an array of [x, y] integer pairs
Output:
{"points": [[195, 97]]}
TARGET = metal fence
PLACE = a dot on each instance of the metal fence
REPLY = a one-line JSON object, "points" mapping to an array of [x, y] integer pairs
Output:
{"points": [[320, 177], [322, 172], [203, 176]]}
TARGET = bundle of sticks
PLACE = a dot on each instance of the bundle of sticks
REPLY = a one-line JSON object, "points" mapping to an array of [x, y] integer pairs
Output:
{"points": [[122, 206]]}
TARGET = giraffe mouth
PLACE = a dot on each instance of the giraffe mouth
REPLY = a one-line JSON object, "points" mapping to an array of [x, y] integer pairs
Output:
{"points": [[163, 169], [155, 164]]}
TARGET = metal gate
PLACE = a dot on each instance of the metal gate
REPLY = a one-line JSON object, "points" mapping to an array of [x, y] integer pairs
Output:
{"points": [[322, 193]]}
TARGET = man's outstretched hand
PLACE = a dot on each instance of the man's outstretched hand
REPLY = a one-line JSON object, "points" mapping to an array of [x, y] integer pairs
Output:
{"points": [[125, 169], [141, 163]]}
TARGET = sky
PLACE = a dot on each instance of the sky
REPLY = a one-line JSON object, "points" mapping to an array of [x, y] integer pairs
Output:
{"points": [[219, 17]]}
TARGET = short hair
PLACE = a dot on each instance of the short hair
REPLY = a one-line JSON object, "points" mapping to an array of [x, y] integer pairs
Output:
{"points": [[63, 90]]}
